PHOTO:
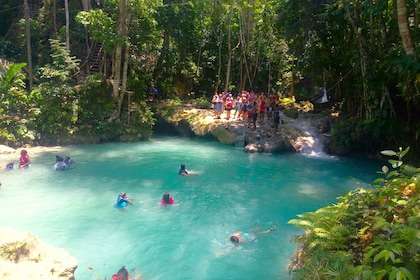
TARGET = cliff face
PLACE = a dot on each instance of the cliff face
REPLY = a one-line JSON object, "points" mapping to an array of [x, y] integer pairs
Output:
{"points": [[25, 256], [290, 136]]}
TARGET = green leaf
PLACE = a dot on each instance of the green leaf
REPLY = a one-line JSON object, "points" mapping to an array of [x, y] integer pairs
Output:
{"points": [[395, 163], [388, 153], [384, 254], [403, 153]]}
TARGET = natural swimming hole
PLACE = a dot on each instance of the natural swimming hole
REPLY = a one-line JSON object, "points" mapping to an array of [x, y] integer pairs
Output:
{"points": [[233, 191]]}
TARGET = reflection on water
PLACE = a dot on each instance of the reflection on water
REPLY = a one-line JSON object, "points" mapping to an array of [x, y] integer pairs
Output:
{"points": [[234, 191]]}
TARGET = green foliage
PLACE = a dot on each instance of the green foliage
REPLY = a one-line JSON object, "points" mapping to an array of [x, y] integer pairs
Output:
{"points": [[174, 101], [367, 136], [101, 26], [64, 65], [14, 104], [288, 102], [55, 113], [373, 233], [201, 103]]}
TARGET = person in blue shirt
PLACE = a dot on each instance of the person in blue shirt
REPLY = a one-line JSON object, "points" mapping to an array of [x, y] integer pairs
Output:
{"points": [[123, 200], [184, 171]]}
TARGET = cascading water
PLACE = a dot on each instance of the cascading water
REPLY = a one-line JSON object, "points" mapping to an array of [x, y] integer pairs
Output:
{"points": [[310, 141]]}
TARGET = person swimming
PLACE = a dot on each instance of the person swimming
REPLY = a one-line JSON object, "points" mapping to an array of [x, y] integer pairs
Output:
{"points": [[167, 199], [122, 274], [59, 163], [69, 162], [184, 171], [240, 236], [24, 160], [123, 200]]}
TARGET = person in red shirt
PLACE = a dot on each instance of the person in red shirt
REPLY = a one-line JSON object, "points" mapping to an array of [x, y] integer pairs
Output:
{"points": [[263, 107], [167, 199], [24, 160]]}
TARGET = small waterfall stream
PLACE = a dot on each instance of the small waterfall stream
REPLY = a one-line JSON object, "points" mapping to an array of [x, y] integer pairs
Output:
{"points": [[311, 139]]}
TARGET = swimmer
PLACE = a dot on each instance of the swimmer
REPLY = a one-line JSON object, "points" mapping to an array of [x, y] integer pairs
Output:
{"points": [[59, 163], [24, 159], [167, 199], [243, 237], [123, 274], [185, 172], [240, 236], [69, 162], [10, 165], [123, 200]]}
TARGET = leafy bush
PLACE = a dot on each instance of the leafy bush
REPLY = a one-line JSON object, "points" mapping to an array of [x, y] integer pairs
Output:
{"points": [[367, 136], [201, 103], [368, 234]]}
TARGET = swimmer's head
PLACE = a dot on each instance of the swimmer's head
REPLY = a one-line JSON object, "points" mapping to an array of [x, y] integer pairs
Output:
{"points": [[234, 239], [23, 152], [182, 166], [123, 194], [165, 197]]}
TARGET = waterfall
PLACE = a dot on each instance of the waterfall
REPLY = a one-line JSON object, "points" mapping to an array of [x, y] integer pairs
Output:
{"points": [[310, 141]]}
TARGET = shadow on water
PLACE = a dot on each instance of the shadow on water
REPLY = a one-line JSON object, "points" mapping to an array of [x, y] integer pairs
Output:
{"points": [[234, 191]]}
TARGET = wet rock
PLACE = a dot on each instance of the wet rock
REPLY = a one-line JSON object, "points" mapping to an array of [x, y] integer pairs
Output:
{"points": [[25, 256]]}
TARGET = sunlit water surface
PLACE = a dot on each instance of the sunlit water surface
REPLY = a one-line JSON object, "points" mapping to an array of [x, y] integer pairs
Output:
{"points": [[234, 191]]}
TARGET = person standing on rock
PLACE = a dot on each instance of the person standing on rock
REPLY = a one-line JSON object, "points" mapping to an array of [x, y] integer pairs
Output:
{"points": [[276, 117], [229, 105]]}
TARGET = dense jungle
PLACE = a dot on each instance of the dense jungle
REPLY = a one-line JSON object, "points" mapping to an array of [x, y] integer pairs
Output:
{"points": [[95, 71]]}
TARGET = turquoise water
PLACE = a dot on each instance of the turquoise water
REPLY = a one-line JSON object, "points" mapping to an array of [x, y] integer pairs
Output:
{"points": [[233, 191]]}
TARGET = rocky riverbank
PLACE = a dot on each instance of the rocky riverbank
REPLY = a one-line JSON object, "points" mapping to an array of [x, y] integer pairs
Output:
{"points": [[25, 256], [294, 133]]}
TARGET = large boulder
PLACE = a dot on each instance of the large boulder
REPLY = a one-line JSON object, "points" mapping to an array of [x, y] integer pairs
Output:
{"points": [[25, 256], [188, 121]]}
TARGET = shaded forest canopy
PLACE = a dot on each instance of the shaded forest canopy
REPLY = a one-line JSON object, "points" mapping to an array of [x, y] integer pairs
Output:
{"points": [[91, 67]]}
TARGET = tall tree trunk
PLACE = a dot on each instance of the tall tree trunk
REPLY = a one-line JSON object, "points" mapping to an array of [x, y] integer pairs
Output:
{"points": [[219, 68], [353, 17], [117, 93], [86, 5], [404, 28], [229, 58], [164, 51], [66, 9], [28, 44], [229, 48]]}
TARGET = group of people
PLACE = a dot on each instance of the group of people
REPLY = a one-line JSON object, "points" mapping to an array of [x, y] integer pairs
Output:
{"points": [[248, 107], [24, 160], [123, 200], [63, 163], [167, 199]]}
